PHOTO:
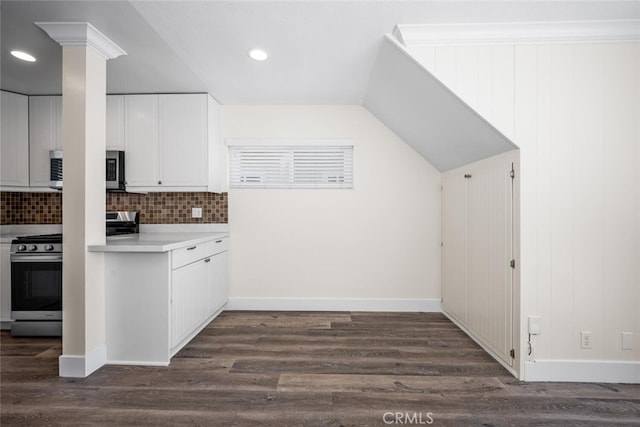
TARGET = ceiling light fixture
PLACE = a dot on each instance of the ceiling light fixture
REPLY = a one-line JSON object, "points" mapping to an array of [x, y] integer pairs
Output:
{"points": [[23, 55], [258, 54]]}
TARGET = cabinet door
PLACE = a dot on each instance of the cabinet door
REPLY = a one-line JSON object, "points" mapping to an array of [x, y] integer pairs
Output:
{"points": [[218, 293], [183, 156], [14, 140], [45, 134], [5, 282], [188, 301], [115, 122], [141, 140]]}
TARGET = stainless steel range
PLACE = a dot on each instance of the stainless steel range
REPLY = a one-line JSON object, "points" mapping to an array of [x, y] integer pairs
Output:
{"points": [[36, 277], [36, 285]]}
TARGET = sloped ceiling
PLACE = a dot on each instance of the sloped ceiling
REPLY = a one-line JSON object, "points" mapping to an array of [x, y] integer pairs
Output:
{"points": [[426, 114]]}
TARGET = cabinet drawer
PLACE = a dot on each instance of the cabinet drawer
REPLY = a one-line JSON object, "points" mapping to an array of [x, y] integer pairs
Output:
{"points": [[189, 254], [219, 245]]}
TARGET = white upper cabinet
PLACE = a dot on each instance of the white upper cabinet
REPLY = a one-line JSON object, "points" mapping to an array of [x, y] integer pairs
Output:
{"points": [[115, 122], [141, 140], [172, 142], [45, 134], [14, 141], [183, 140]]}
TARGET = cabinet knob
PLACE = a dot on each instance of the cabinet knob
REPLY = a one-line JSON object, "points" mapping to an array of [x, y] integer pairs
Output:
{"points": [[159, 182]]}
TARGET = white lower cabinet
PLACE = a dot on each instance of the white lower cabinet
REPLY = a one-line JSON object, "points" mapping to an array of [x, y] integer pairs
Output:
{"points": [[198, 289], [157, 302], [188, 304]]}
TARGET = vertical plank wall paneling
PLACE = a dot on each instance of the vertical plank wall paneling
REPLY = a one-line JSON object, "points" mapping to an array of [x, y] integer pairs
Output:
{"points": [[588, 170], [621, 229], [574, 110], [562, 203]]}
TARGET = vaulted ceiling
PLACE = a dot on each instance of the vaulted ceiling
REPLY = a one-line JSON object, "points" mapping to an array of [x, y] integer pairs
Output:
{"points": [[321, 52]]}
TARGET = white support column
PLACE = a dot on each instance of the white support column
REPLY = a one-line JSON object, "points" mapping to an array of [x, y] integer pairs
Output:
{"points": [[84, 54]]}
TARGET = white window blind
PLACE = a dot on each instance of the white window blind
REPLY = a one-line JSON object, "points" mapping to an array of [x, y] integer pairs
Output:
{"points": [[290, 164]]}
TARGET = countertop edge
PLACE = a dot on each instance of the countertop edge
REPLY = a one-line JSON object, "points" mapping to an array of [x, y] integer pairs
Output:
{"points": [[123, 246]]}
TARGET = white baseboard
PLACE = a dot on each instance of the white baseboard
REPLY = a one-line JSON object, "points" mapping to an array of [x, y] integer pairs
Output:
{"points": [[595, 371], [335, 304], [136, 363], [72, 366]]}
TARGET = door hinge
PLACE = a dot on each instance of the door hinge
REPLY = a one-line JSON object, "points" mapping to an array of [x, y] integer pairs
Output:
{"points": [[512, 174], [512, 263], [467, 175], [512, 353]]}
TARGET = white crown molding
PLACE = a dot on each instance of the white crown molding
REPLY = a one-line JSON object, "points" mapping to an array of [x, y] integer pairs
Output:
{"points": [[519, 32], [81, 34]]}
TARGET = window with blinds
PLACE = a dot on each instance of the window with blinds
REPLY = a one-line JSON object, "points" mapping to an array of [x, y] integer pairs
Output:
{"points": [[291, 164]]}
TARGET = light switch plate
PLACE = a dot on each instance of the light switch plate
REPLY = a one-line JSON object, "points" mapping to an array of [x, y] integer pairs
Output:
{"points": [[196, 212], [535, 325], [627, 340]]}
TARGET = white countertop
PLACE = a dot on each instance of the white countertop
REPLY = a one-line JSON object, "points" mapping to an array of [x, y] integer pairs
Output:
{"points": [[155, 241]]}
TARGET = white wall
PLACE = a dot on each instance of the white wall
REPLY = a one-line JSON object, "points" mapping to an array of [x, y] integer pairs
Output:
{"points": [[379, 242], [574, 111]]}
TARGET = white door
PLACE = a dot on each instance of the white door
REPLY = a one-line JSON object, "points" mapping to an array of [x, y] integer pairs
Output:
{"points": [[115, 122], [141, 140], [477, 285], [454, 244], [183, 154], [14, 140], [489, 243], [218, 289], [45, 134]]}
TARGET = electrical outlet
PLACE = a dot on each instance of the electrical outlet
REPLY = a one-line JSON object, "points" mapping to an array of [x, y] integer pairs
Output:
{"points": [[196, 212], [627, 340], [535, 325], [585, 339]]}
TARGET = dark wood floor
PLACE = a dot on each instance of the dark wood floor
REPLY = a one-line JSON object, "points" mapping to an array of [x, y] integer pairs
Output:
{"points": [[294, 369]]}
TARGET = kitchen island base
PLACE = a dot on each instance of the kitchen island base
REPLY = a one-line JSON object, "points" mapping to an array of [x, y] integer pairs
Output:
{"points": [[156, 302]]}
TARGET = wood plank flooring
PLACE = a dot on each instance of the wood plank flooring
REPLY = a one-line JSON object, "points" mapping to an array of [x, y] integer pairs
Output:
{"points": [[304, 369]]}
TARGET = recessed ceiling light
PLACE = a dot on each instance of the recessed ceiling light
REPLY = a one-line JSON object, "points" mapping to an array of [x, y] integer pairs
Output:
{"points": [[23, 55], [258, 54]]}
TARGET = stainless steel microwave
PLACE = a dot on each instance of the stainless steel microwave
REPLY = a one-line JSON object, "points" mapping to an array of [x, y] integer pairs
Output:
{"points": [[114, 170]]}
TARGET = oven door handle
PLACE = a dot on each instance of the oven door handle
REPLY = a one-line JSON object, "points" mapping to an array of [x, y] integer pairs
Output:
{"points": [[35, 258]]}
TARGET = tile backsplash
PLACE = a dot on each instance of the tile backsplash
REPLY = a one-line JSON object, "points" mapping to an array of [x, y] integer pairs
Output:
{"points": [[172, 208], [30, 208], [155, 208]]}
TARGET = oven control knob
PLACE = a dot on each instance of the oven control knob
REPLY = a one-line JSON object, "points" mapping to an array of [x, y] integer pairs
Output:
{"points": [[48, 247], [22, 248], [33, 248]]}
